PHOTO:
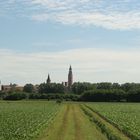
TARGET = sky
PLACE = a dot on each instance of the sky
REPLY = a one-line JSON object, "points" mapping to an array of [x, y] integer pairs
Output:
{"points": [[99, 38]]}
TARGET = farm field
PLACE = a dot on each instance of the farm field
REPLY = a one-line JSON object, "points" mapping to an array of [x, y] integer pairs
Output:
{"points": [[24, 120], [43, 120], [126, 116]]}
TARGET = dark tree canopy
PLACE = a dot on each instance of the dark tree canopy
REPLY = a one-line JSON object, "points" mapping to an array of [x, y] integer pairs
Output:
{"points": [[28, 88], [51, 88]]}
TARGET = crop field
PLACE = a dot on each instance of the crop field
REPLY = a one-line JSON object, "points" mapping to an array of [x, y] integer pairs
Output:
{"points": [[126, 116], [43, 120], [24, 120]]}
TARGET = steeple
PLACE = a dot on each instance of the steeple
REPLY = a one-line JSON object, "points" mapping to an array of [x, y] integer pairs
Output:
{"points": [[70, 77], [48, 80], [70, 69]]}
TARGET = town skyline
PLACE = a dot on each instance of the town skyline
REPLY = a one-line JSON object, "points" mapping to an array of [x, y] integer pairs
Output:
{"points": [[67, 83], [16, 87]]}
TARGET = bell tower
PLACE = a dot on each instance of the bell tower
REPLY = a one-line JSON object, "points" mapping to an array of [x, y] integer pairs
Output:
{"points": [[70, 77]]}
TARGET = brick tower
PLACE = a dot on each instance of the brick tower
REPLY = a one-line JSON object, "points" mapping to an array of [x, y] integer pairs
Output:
{"points": [[70, 78]]}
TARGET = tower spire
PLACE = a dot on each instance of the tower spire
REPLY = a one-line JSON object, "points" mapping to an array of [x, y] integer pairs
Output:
{"points": [[70, 77], [70, 69], [48, 79]]}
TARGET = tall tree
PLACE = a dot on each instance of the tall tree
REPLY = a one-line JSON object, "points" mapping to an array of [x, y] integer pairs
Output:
{"points": [[28, 88]]}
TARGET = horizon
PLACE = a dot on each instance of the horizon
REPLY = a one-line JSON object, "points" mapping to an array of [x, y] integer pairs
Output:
{"points": [[100, 39]]}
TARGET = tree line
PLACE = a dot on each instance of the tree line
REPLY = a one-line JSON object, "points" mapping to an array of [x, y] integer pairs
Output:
{"points": [[104, 91], [107, 92]]}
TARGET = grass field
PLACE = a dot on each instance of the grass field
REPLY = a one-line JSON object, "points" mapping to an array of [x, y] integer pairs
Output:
{"points": [[42, 120]]}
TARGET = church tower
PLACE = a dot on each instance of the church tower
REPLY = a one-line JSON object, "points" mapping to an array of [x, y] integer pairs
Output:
{"points": [[70, 77], [48, 80]]}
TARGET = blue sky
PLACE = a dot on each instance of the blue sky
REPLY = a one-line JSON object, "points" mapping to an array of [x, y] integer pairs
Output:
{"points": [[99, 38]]}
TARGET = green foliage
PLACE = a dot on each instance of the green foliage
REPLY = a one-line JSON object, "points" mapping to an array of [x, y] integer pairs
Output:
{"points": [[116, 86], [51, 88], [79, 88], [66, 97], [104, 91], [16, 96], [104, 85], [134, 95], [2, 95], [29, 88], [103, 95]]}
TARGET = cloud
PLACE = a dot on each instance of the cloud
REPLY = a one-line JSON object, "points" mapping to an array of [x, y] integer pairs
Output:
{"points": [[94, 65], [122, 21], [120, 14]]}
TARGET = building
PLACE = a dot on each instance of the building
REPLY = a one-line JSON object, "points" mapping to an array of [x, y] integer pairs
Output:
{"points": [[70, 78], [69, 83], [48, 79], [11, 87], [19, 88], [6, 88]]}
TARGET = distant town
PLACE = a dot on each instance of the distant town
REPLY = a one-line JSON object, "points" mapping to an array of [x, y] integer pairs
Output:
{"points": [[14, 87]]}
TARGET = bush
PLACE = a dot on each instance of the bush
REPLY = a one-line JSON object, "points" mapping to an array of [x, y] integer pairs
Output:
{"points": [[2, 95], [16, 96], [133, 95], [59, 101], [66, 97]]}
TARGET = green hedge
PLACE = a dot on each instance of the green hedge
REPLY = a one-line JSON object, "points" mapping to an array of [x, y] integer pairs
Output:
{"points": [[66, 97], [16, 96], [103, 95]]}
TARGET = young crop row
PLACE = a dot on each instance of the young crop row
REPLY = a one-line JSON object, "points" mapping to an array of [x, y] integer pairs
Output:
{"points": [[126, 116], [25, 120]]}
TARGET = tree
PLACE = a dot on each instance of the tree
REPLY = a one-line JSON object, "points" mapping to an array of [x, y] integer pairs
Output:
{"points": [[51, 88], [103, 95], [116, 86], [130, 86], [79, 88], [28, 88], [133, 95], [104, 85]]}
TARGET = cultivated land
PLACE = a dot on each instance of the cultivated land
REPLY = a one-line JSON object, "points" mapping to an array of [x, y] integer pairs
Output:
{"points": [[42, 120], [125, 116], [26, 119]]}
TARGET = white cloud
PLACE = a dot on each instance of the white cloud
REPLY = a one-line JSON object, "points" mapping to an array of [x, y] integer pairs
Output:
{"points": [[94, 65], [120, 14], [96, 12], [123, 21]]}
